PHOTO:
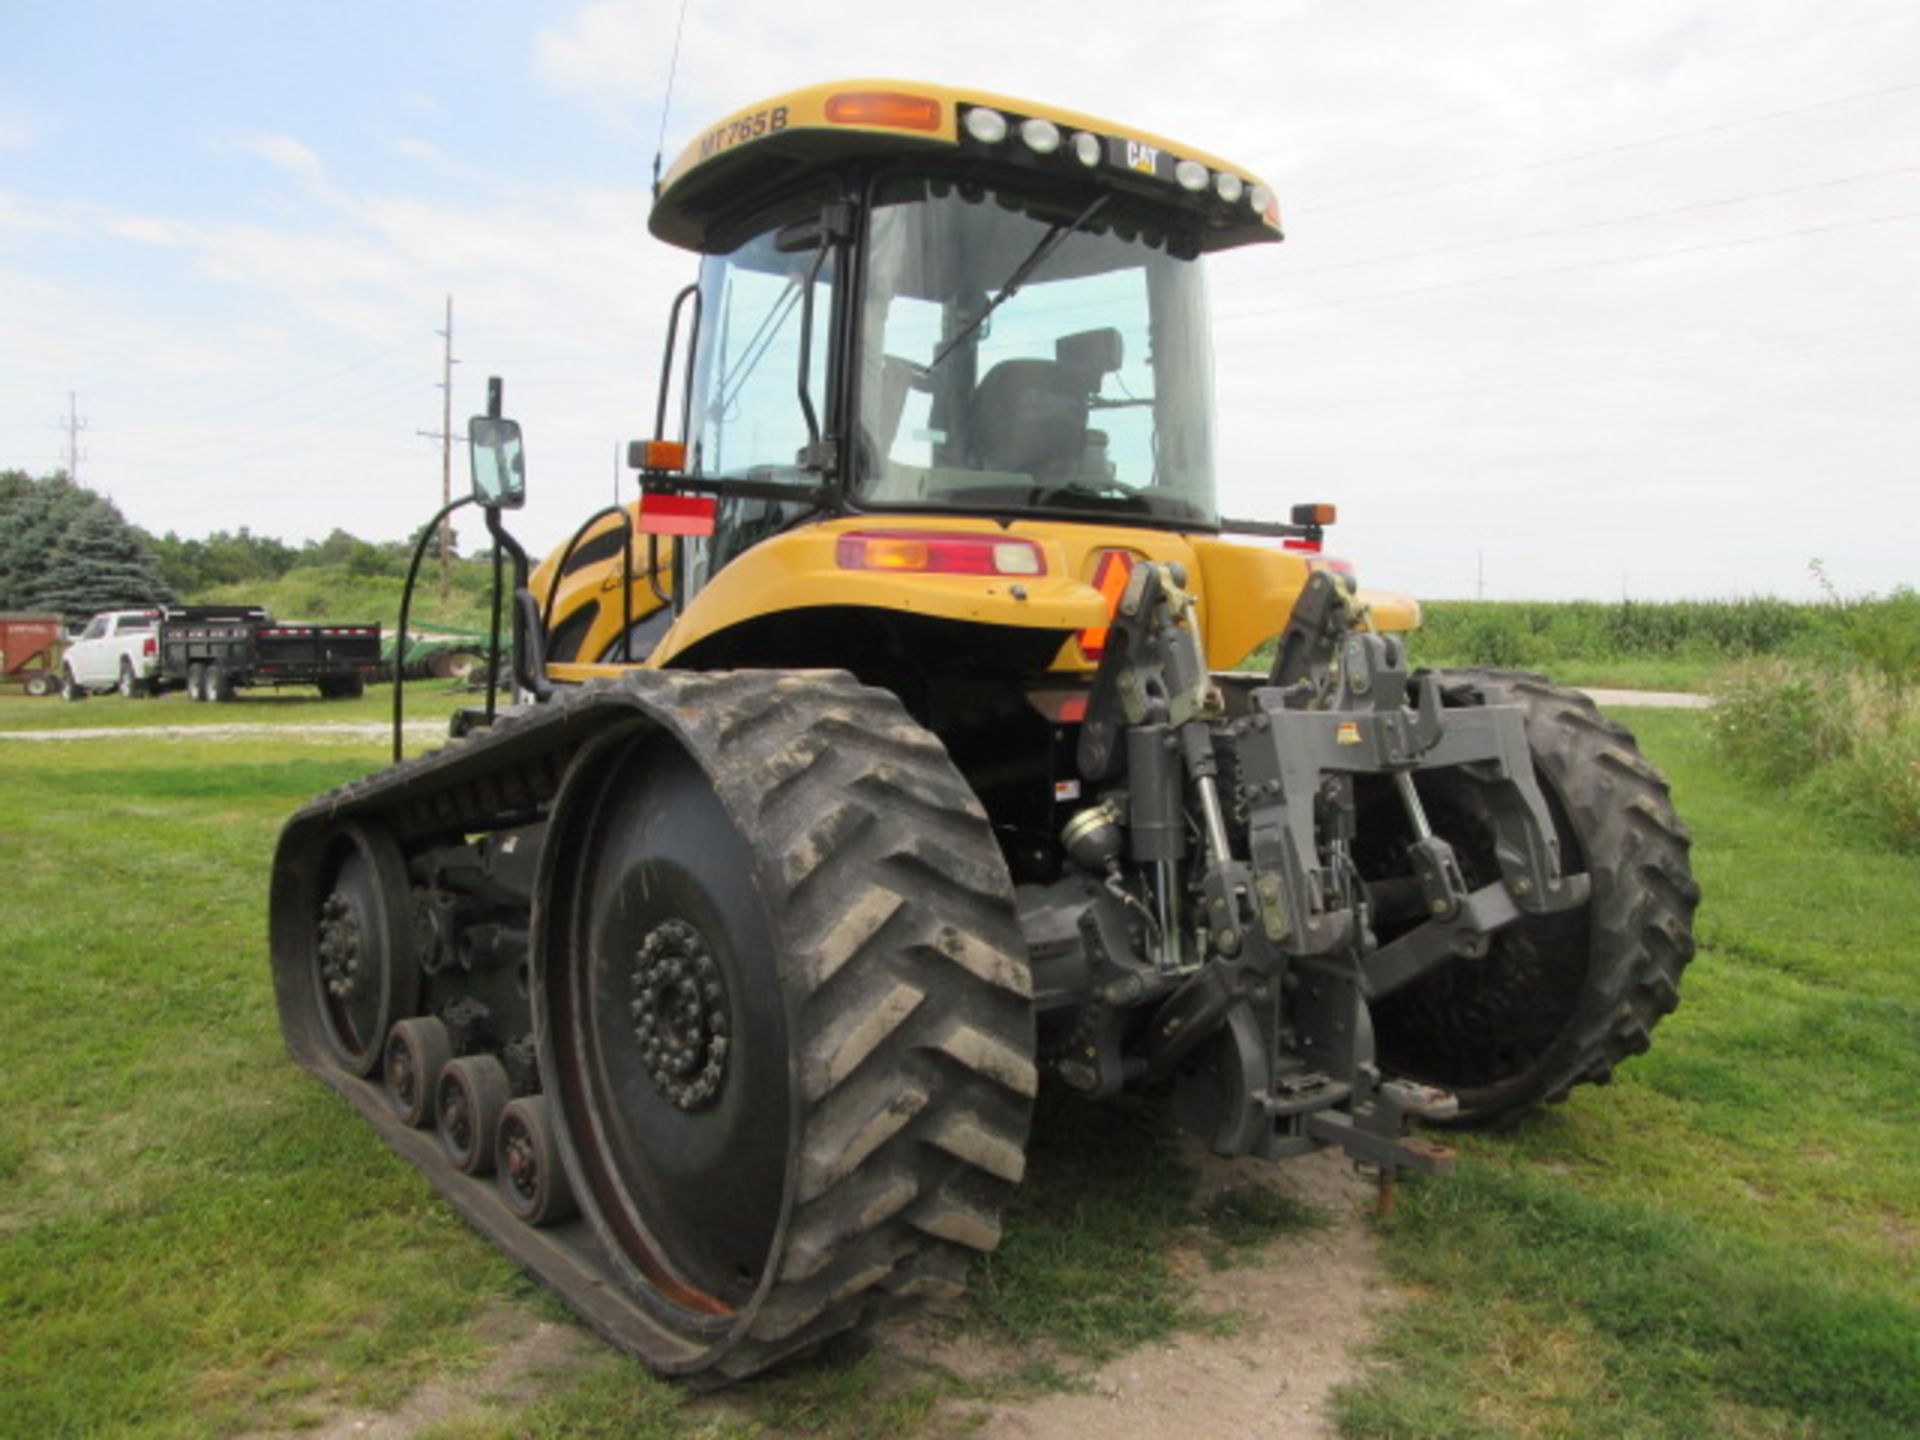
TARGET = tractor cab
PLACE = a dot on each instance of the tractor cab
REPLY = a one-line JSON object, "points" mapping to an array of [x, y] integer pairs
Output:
{"points": [[920, 302], [922, 311]]}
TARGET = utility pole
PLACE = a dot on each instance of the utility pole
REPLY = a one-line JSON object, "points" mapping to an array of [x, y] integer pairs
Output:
{"points": [[445, 437], [73, 425]]}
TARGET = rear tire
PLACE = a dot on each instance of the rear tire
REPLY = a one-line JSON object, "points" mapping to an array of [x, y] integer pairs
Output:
{"points": [[217, 684], [786, 1025], [1559, 1000]]}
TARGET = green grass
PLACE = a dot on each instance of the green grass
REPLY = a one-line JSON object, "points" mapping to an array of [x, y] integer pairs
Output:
{"points": [[1724, 1241]]}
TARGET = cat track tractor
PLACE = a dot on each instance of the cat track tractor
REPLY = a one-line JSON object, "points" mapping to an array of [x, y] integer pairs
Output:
{"points": [[901, 748]]}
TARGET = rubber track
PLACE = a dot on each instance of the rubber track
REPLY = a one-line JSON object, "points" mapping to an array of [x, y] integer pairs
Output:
{"points": [[908, 987], [1640, 917]]}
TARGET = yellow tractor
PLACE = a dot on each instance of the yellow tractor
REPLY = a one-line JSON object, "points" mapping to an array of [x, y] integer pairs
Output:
{"points": [[903, 748]]}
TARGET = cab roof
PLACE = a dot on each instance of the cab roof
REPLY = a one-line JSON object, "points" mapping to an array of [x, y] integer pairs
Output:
{"points": [[781, 142]]}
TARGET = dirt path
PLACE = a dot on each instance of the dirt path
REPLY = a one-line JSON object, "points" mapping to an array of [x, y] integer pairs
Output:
{"points": [[239, 730], [1301, 1309], [379, 730]]}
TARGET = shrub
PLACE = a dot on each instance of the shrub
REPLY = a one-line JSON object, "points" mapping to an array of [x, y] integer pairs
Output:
{"points": [[1847, 738]]}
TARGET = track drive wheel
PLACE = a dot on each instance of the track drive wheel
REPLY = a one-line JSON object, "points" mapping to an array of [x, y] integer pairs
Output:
{"points": [[785, 1010], [1561, 999], [417, 1053], [468, 1098], [532, 1179]]}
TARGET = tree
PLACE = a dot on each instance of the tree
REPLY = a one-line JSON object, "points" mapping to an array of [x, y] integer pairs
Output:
{"points": [[33, 517], [96, 562]]}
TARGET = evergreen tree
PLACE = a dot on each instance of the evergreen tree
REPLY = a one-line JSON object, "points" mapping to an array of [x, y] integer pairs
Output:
{"points": [[98, 563], [31, 524]]}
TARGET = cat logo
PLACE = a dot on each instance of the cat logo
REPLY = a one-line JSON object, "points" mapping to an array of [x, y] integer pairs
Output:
{"points": [[1144, 158]]}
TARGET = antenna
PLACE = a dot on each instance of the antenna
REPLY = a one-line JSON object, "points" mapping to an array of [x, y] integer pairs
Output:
{"points": [[666, 103]]}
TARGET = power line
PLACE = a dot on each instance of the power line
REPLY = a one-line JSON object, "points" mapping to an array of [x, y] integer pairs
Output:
{"points": [[1575, 267], [1625, 365], [1516, 237], [1666, 138]]}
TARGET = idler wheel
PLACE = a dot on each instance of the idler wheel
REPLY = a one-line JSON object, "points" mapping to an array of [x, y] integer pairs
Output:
{"points": [[360, 946]]}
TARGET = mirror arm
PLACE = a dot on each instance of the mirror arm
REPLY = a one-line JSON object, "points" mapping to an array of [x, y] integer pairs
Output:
{"points": [[406, 604], [804, 383], [529, 651], [666, 364], [493, 636]]}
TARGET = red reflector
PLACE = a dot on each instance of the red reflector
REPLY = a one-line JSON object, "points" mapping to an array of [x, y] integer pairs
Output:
{"points": [[1301, 547], [938, 552], [1110, 579], [676, 515]]}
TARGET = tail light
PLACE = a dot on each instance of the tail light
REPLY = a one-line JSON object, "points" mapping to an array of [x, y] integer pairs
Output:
{"points": [[938, 552], [151, 647]]}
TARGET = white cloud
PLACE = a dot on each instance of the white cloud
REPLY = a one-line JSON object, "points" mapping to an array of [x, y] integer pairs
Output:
{"points": [[14, 135]]}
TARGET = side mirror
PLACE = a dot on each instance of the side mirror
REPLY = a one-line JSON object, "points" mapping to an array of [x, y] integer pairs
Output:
{"points": [[499, 464]]}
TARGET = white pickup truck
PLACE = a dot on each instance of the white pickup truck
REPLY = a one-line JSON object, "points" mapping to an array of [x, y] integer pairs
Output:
{"points": [[119, 650]]}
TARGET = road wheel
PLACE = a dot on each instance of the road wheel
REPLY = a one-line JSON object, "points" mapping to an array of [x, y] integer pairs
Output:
{"points": [[532, 1179], [196, 682], [131, 686], [71, 689], [468, 1099], [418, 1049], [39, 685], [1558, 1000], [785, 1013], [217, 684]]}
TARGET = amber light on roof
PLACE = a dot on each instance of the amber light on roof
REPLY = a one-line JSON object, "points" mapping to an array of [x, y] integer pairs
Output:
{"points": [[890, 108]]}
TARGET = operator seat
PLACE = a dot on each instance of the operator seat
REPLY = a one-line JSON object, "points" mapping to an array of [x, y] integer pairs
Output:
{"points": [[1029, 416]]}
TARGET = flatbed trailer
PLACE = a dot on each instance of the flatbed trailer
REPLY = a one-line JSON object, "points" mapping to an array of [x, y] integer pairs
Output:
{"points": [[211, 651]]}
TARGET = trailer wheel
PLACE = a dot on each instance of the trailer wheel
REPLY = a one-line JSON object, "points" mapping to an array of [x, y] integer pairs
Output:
{"points": [[39, 685], [217, 684], [196, 682]]}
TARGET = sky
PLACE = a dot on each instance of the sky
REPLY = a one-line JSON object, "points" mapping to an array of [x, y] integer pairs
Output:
{"points": [[1576, 301]]}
